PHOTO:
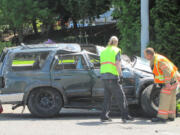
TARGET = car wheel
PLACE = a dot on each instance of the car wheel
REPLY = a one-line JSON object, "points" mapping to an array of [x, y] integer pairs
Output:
{"points": [[150, 100], [45, 102]]}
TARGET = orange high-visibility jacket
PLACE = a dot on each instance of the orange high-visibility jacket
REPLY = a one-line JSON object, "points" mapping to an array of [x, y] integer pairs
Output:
{"points": [[159, 77]]}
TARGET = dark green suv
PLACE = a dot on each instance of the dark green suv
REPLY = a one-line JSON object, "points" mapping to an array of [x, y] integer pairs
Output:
{"points": [[49, 77]]}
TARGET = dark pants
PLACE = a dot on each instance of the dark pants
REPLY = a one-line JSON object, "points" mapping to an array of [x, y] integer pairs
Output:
{"points": [[112, 88]]}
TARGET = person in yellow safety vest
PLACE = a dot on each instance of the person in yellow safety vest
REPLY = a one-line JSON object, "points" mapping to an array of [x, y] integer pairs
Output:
{"points": [[165, 73], [110, 70]]}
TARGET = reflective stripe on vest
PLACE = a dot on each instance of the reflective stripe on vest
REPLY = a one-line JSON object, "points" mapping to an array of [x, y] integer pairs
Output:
{"points": [[159, 77], [108, 60], [108, 63]]}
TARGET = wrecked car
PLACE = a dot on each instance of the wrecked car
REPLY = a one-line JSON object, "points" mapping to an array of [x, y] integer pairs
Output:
{"points": [[46, 78]]}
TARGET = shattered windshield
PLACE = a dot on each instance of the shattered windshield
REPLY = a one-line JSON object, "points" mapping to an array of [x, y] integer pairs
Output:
{"points": [[142, 64], [126, 61]]}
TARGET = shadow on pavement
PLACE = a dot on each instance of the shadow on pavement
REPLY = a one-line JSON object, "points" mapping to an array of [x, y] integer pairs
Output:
{"points": [[95, 117], [61, 116], [137, 121], [67, 114]]}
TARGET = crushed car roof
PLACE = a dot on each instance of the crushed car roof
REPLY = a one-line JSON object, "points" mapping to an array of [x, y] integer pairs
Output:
{"points": [[46, 47]]}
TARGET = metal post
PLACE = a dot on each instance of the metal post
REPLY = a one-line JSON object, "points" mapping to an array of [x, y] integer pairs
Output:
{"points": [[144, 25]]}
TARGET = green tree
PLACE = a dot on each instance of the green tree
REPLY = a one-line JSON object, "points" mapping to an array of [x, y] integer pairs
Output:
{"points": [[165, 28], [127, 13], [20, 14], [79, 9]]}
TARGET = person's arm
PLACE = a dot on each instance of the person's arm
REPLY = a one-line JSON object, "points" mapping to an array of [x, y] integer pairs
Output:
{"points": [[164, 66], [118, 63]]}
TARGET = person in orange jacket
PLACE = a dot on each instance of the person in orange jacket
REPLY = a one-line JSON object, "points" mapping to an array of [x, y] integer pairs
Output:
{"points": [[165, 73]]}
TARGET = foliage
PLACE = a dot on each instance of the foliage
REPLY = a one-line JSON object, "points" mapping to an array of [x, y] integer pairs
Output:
{"points": [[127, 13], [78, 9], [90, 8], [19, 14], [178, 105], [165, 28], [4, 44]]}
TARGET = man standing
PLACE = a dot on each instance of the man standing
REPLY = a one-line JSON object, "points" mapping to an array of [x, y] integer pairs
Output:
{"points": [[110, 71], [165, 73]]}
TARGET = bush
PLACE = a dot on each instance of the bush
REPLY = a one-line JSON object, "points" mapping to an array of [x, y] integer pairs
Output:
{"points": [[127, 14], [165, 29], [5, 44]]}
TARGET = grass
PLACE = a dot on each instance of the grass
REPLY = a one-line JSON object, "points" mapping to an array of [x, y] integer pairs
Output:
{"points": [[178, 105]]}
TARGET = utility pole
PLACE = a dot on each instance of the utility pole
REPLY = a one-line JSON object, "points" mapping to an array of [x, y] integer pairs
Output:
{"points": [[144, 25]]}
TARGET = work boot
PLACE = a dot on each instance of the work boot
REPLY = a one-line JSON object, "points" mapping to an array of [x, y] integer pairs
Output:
{"points": [[106, 119], [124, 120], [158, 120], [171, 119], [130, 118]]}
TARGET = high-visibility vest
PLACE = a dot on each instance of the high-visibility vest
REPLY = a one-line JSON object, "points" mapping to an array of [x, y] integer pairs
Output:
{"points": [[159, 77], [108, 60]]}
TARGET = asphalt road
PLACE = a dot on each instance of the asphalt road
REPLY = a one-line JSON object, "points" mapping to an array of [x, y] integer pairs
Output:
{"points": [[79, 122]]}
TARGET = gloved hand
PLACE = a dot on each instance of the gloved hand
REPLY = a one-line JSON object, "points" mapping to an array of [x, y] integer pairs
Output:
{"points": [[120, 80]]}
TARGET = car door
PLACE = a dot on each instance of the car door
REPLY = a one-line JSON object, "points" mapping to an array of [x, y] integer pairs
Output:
{"points": [[72, 75], [98, 88]]}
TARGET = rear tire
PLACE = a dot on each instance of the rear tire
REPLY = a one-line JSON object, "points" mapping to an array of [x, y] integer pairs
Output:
{"points": [[150, 100], [45, 102]]}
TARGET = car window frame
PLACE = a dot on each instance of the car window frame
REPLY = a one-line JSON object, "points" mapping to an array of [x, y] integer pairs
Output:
{"points": [[71, 54], [89, 60], [10, 69]]}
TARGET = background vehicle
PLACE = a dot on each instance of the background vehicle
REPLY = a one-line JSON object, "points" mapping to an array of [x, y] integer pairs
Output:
{"points": [[49, 77]]}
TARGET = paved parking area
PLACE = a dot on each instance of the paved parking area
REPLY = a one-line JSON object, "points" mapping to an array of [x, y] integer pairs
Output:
{"points": [[79, 122]]}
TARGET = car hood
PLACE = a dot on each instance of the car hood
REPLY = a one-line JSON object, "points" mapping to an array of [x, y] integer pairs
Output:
{"points": [[142, 64]]}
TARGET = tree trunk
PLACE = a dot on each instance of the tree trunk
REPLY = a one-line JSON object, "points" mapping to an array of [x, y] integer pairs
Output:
{"points": [[20, 35], [63, 24], [75, 24], [35, 26]]}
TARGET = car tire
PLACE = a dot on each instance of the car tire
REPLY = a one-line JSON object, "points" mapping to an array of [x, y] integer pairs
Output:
{"points": [[45, 102], [150, 100]]}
